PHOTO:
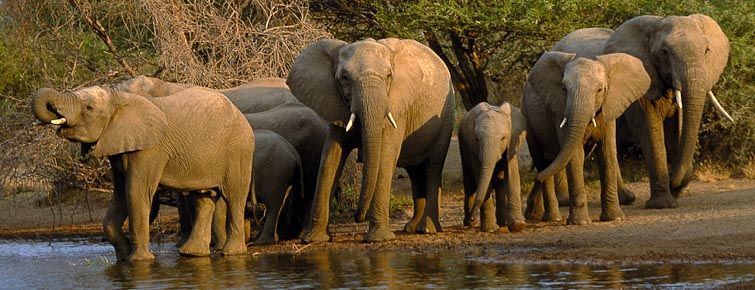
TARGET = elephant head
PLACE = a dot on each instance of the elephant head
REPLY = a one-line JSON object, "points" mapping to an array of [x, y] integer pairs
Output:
{"points": [[150, 87], [365, 85], [583, 89], [115, 122], [684, 55], [498, 132]]}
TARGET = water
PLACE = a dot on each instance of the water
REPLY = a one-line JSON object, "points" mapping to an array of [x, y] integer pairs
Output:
{"points": [[77, 264]]}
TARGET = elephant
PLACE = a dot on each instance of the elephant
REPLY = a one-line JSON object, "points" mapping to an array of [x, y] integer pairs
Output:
{"points": [[489, 138], [153, 142], [572, 100], [306, 131], [393, 100], [684, 56], [256, 96]]}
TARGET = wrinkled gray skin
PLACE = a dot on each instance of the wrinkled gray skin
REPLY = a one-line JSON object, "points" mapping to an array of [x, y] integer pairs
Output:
{"points": [[277, 173], [153, 142], [489, 137], [581, 88], [372, 79], [268, 104], [686, 53]]}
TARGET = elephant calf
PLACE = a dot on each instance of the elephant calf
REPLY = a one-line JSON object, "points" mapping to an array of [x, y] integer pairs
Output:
{"points": [[489, 137], [153, 142]]}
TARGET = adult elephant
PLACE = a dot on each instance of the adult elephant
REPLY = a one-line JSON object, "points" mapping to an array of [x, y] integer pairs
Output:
{"points": [[159, 141], [393, 99], [573, 99], [306, 131], [684, 56]]}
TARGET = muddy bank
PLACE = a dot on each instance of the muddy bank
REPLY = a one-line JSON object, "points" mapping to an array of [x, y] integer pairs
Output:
{"points": [[715, 222]]}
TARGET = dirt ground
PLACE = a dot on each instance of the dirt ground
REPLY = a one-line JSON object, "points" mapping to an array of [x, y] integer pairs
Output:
{"points": [[714, 222]]}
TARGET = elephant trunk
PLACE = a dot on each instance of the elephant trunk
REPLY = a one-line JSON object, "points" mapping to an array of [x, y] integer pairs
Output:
{"points": [[578, 115], [49, 105], [372, 114], [693, 97], [489, 156]]}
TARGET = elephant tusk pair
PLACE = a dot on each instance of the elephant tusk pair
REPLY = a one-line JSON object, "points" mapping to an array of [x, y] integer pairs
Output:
{"points": [[562, 123], [351, 122], [718, 106], [393, 121]]}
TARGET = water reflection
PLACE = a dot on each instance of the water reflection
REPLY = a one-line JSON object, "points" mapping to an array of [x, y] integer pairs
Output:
{"points": [[83, 264]]}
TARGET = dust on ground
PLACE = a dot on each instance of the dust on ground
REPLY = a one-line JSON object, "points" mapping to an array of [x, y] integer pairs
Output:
{"points": [[714, 222]]}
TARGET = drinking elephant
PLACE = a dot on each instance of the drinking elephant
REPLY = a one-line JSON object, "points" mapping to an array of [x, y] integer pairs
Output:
{"points": [[489, 138], [153, 142], [684, 56], [392, 99], [571, 100]]}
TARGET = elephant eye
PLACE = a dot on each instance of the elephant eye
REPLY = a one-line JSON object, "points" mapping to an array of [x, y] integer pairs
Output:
{"points": [[600, 90], [664, 51], [89, 108], [707, 49]]}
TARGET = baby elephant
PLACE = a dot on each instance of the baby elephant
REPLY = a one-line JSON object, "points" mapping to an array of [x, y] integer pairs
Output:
{"points": [[489, 137]]}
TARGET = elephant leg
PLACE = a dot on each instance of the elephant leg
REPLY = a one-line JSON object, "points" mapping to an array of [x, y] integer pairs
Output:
{"points": [[141, 184], [185, 216], [512, 215], [418, 181], [115, 216], [154, 211], [626, 196], [550, 199], [578, 214], [470, 186], [268, 234], [487, 214], [562, 188], [642, 117], [434, 178], [235, 191], [219, 224], [333, 157], [198, 244], [673, 149], [535, 208], [609, 172]]}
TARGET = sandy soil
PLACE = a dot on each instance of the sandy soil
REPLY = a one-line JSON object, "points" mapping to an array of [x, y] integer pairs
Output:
{"points": [[715, 222]]}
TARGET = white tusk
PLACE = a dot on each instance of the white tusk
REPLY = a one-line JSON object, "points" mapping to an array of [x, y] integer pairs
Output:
{"points": [[562, 123], [594, 124], [351, 122], [393, 121], [678, 96], [718, 106], [60, 121]]}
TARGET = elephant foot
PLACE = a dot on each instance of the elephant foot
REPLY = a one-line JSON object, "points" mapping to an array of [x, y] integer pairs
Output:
{"points": [[534, 213], [379, 234], [579, 217], [468, 223], [517, 226], [194, 250], [310, 237], [429, 226], [626, 196], [144, 255], [411, 226], [552, 216], [678, 191], [181, 241], [612, 215], [488, 227], [265, 240], [234, 248], [663, 201]]}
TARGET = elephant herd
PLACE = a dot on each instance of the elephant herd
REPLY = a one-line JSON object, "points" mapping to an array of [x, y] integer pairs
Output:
{"points": [[274, 149]]}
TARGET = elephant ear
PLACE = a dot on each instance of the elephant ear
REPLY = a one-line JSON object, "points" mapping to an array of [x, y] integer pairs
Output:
{"points": [[136, 124], [546, 77], [627, 82], [718, 45], [416, 73], [312, 80], [634, 37], [518, 131]]}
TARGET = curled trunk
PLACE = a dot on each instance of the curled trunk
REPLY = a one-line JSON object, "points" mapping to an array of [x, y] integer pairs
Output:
{"points": [[693, 97], [580, 116]]}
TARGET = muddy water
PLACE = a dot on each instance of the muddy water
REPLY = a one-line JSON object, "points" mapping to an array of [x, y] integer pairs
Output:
{"points": [[77, 264]]}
